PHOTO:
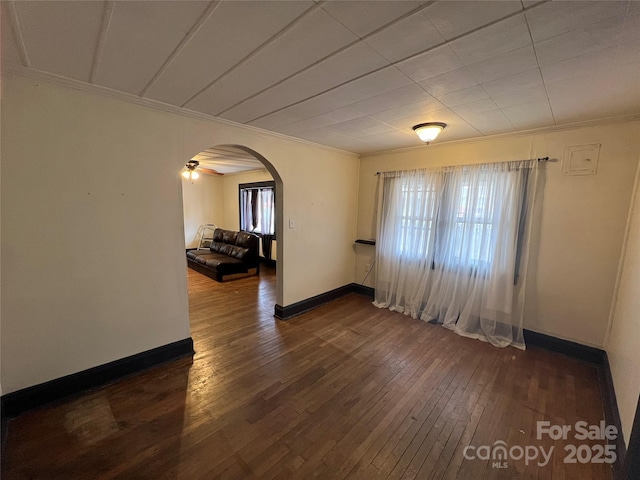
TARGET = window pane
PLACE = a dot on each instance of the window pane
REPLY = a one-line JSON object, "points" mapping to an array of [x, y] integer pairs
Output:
{"points": [[257, 210]]}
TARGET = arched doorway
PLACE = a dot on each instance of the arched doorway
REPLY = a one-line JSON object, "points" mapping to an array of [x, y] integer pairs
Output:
{"points": [[227, 161]]}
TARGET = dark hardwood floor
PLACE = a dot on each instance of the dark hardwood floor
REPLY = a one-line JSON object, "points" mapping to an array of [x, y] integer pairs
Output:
{"points": [[344, 391]]}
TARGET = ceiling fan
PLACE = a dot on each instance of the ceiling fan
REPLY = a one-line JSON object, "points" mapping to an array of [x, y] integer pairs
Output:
{"points": [[192, 169]]}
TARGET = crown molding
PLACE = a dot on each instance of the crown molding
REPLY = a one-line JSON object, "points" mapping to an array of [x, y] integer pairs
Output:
{"points": [[58, 80], [40, 76], [520, 133]]}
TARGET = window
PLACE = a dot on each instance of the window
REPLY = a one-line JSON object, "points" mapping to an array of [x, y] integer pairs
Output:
{"points": [[257, 207], [451, 243], [452, 218], [417, 218], [468, 223]]}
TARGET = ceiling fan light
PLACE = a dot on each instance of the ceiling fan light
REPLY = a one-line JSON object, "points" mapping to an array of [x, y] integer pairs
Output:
{"points": [[429, 131], [190, 173]]}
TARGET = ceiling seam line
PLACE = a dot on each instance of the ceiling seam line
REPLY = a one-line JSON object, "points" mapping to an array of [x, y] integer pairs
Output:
{"points": [[17, 34], [544, 84], [277, 35], [626, 16], [485, 111], [334, 53], [479, 84], [401, 17], [393, 64], [213, 6], [107, 14]]}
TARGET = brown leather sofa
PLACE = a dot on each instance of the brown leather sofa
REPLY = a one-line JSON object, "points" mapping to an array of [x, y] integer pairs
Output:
{"points": [[231, 255]]}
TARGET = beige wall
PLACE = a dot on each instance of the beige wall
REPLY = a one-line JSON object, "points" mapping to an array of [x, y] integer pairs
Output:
{"points": [[623, 345], [202, 203], [577, 245], [93, 264]]}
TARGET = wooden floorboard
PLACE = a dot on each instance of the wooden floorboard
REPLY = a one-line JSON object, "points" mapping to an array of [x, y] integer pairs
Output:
{"points": [[345, 391]]}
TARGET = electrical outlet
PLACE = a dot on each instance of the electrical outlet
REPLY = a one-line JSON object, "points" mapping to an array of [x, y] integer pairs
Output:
{"points": [[367, 267]]}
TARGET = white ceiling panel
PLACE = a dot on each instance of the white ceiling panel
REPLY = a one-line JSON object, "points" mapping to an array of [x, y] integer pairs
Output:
{"points": [[634, 8], [137, 44], [589, 39], [514, 83], [313, 123], [364, 17], [504, 36], [10, 52], [274, 121], [424, 107], [453, 18], [409, 94], [489, 123], [399, 137], [449, 82], [232, 32], [408, 37], [588, 64], [61, 37], [294, 114], [362, 126], [578, 99], [479, 106], [466, 95], [178, 15], [308, 109], [313, 38], [505, 64], [367, 87], [627, 52], [519, 97], [530, 115], [556, 18], [331, 73], [388, 79], [631, 27], [431, 64]]}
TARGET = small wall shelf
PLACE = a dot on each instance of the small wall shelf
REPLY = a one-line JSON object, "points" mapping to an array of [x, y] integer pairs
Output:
{"points": [[366, 242]]}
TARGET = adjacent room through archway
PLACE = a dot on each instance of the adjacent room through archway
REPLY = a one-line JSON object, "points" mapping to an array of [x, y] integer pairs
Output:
{"points": [[235, 189]]}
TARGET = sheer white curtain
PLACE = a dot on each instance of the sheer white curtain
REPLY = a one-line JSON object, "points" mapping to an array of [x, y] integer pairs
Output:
{"points": [[452, 247], [246, 211], [257, 207], [266, 217]]}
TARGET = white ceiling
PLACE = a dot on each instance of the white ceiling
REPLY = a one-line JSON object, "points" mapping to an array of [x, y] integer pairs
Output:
{"points": [[227, 160], [355, 75]]}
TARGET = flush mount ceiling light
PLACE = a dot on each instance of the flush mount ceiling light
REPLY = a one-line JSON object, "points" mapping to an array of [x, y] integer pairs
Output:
{"points": [[190, 173], [429, 131]]}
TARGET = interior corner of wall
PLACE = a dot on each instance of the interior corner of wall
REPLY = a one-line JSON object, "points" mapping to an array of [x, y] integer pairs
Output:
{"points": [[623, 251]]}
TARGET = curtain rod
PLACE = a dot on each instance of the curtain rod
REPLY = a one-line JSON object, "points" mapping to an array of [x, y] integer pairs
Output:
{"points": [[541, 159]]}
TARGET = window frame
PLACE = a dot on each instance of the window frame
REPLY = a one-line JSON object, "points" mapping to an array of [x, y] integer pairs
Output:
{"points": [[253, 186], [439, 223]]}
